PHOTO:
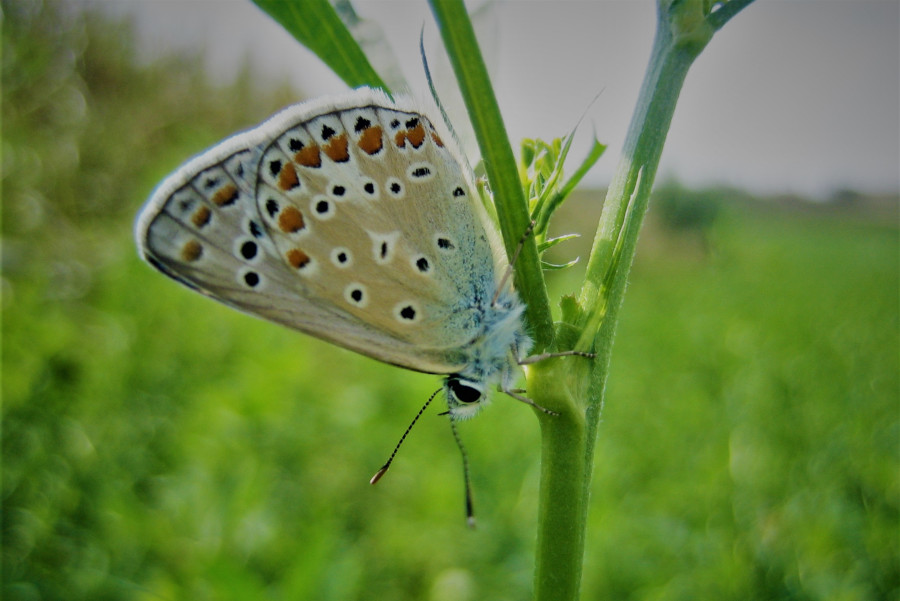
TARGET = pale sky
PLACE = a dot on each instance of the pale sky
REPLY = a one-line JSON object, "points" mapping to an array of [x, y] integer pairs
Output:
{"points": [[791, 96]]}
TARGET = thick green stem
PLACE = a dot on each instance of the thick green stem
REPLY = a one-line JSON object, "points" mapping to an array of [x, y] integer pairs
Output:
{"points": [[574, 388], [629, 191], [626, 203], [561, 505]]}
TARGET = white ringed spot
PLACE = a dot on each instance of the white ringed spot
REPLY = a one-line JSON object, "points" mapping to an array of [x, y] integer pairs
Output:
{"points": [[395, 187], [247, 249], [407, 312], [356, 294], [370, 189], [322, 207], [420, 172], [341, 257], [250, 279], [422, 264], [383, 246], [338, 191]]}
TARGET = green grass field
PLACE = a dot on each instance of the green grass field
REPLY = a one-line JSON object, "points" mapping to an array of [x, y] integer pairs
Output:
{"points": [[159, 446]]}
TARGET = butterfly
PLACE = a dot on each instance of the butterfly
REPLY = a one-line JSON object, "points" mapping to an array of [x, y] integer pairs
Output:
{"points": [[356, 220]]}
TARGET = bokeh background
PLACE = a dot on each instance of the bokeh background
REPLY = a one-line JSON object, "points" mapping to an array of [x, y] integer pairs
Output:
{"points": [[159, 446]]}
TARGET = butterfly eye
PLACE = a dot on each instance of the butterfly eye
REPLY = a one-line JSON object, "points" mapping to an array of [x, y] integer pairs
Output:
{"points": [[465, 391]]}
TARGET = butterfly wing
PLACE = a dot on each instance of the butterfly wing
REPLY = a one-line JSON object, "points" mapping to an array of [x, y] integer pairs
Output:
{"points": [[351, 221]]}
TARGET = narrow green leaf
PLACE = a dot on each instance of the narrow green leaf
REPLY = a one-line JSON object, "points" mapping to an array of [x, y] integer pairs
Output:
{"points": [[527, 153], [550, 206], [316, 25], [589, 161], [554, 241], [557, 266], [374, 42]]}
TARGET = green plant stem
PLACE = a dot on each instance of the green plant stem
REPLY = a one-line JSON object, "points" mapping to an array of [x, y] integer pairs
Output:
{"points": [[683, 30], [561, 502], [500, 163]]}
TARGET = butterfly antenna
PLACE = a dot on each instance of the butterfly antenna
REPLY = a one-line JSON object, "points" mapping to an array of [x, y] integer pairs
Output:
{"points": [[431, 88], [387, 464], [512, 264], [440, 105], [470, 511]]}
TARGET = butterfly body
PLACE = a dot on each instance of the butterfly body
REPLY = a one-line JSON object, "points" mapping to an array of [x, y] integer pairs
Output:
{"points": [[355, 220]]}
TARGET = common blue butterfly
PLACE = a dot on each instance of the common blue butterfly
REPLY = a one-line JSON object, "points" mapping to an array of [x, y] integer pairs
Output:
{"points": [[356, 220]]}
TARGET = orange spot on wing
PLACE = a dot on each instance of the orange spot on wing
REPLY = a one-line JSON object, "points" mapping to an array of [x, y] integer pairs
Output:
{"points": [[290, 220], [201, 216], [437, 140], [370, 140], [416, 135], [308, 156], [225, 195], [336, 149], [191, 251], [288, 179], [296, 258]]}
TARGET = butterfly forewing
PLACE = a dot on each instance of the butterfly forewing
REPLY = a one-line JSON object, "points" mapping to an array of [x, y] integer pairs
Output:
{"points": [[347, 221]]}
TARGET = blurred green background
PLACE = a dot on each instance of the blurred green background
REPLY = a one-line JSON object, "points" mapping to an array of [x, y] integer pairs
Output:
{"points": [[159, 446]]}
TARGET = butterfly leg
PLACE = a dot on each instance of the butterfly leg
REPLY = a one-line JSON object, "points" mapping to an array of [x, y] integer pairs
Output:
{"points": [[543, 356], [514, 393]]}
